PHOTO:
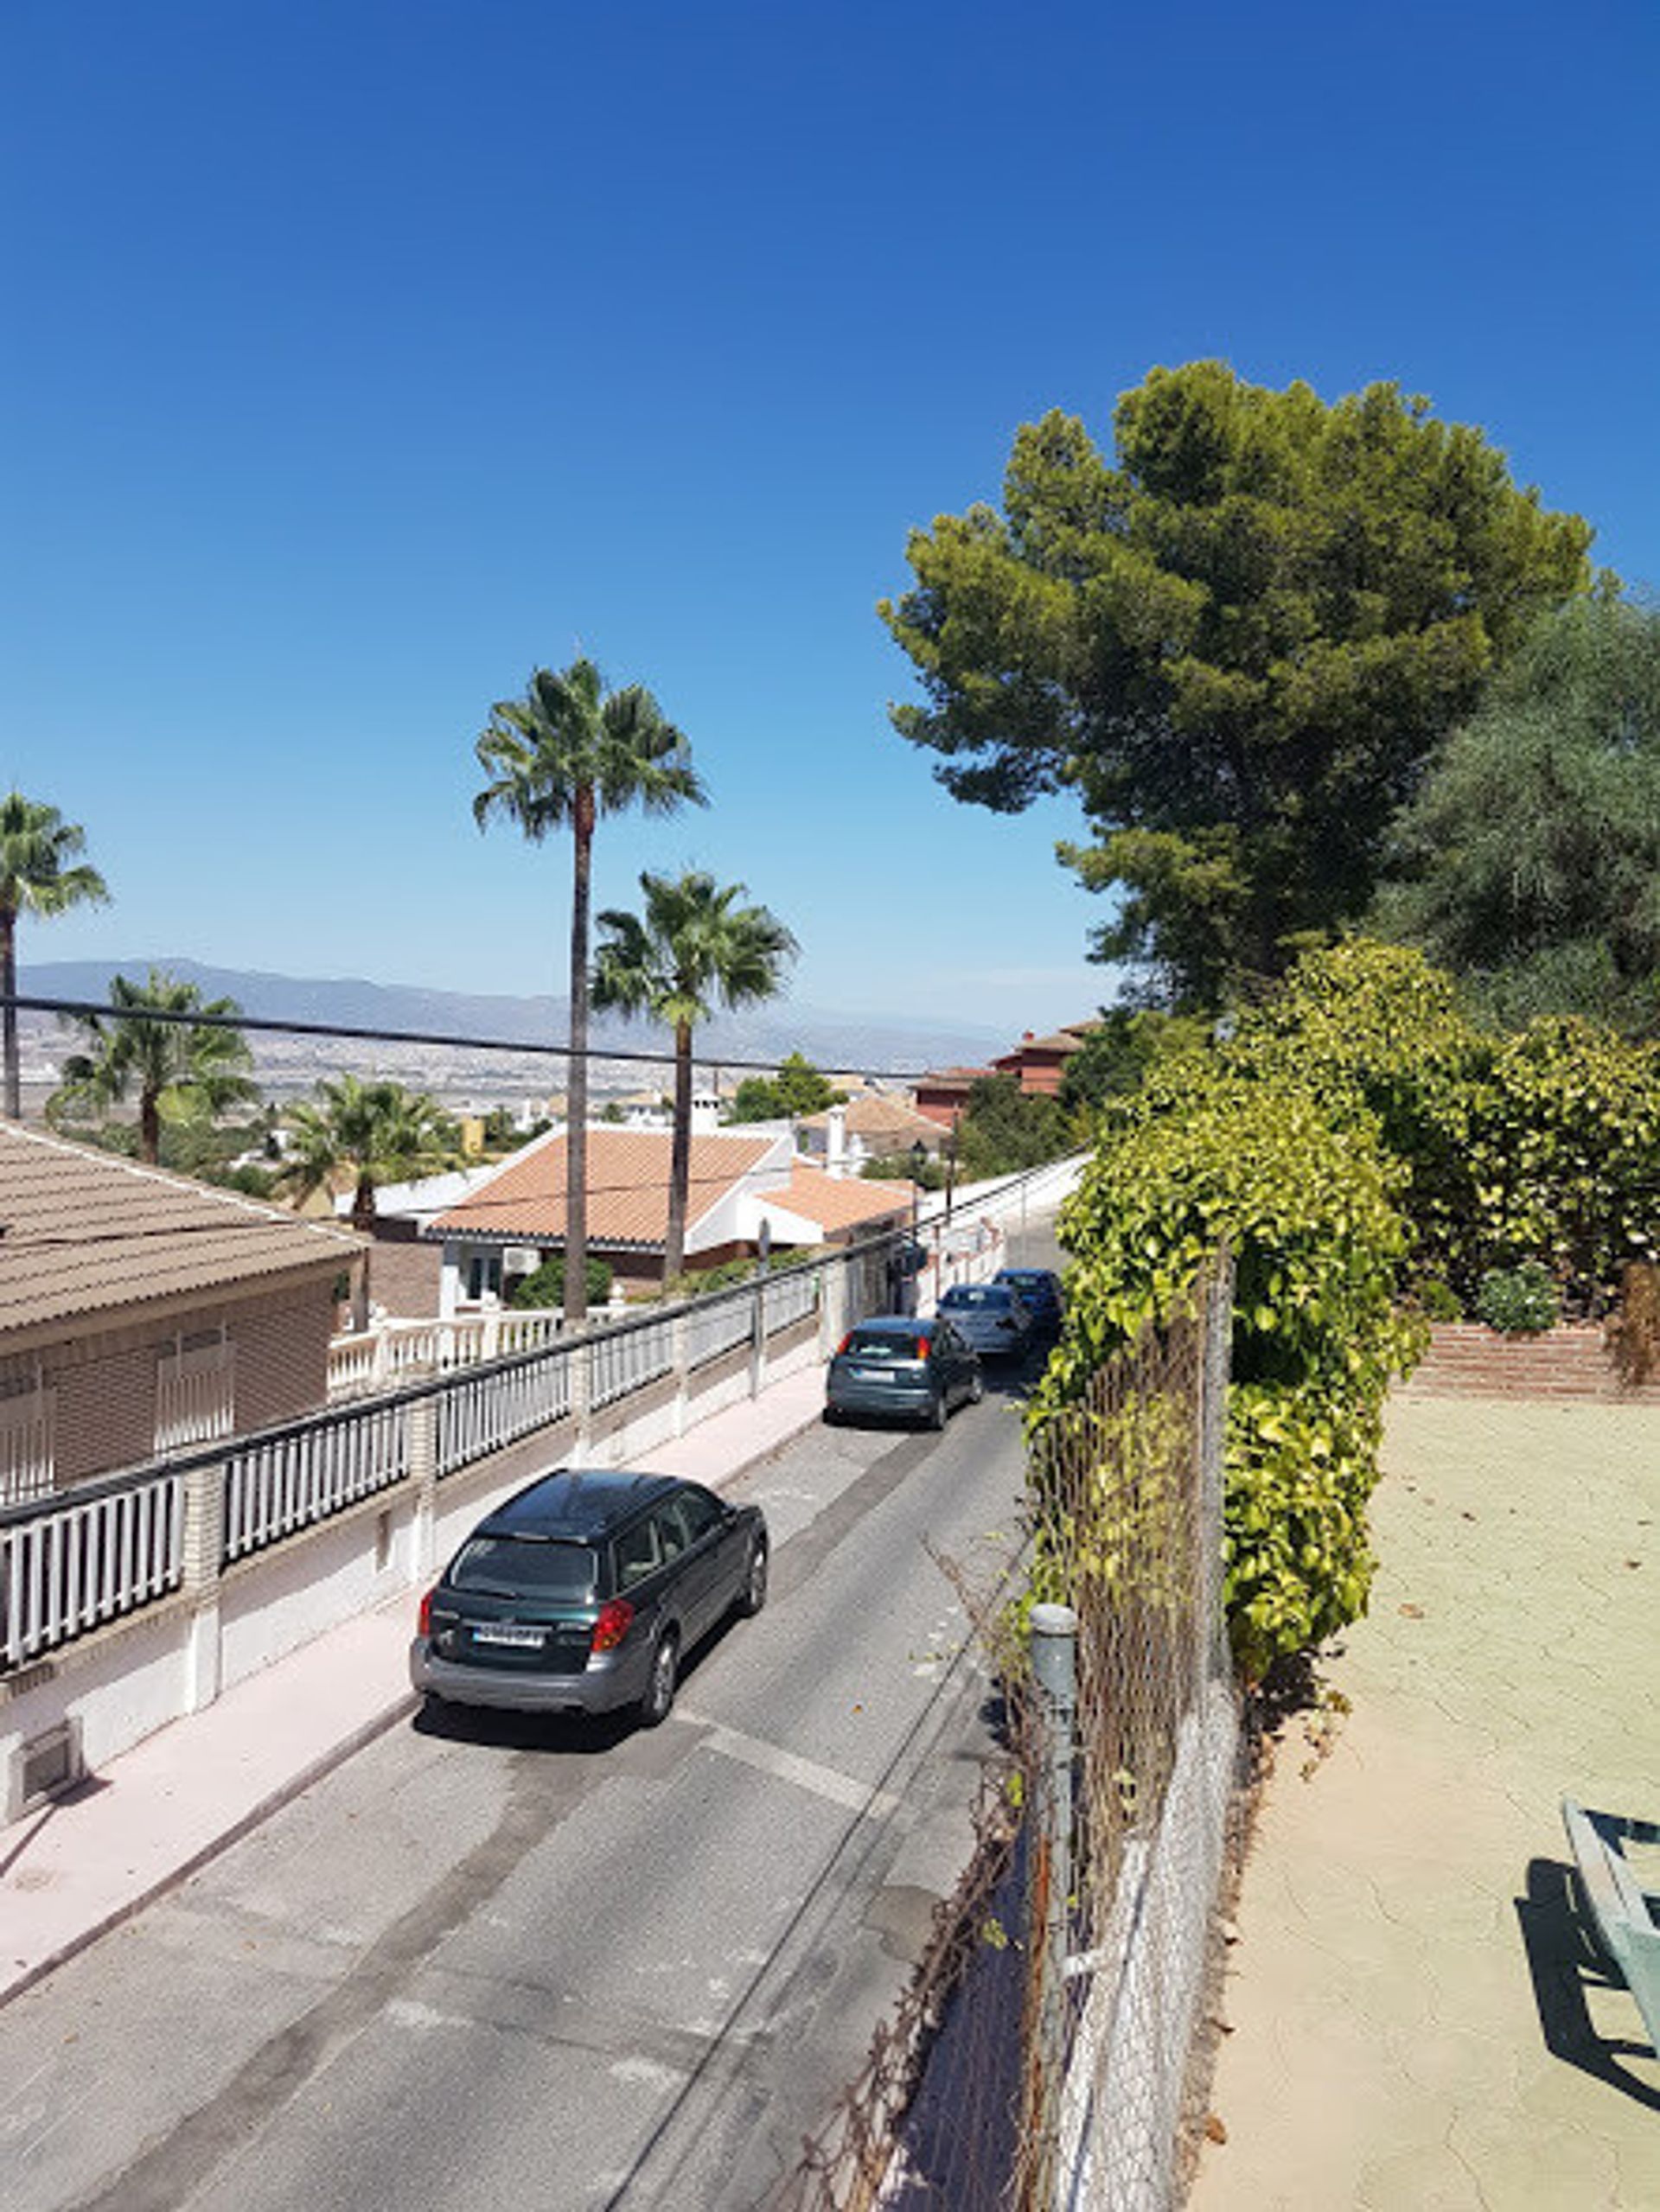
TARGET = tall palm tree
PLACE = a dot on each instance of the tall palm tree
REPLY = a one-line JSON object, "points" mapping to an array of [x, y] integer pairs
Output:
{"points": [[566, 753], [36, 848], [376, 1133], [181, 1070], [695, 948]]}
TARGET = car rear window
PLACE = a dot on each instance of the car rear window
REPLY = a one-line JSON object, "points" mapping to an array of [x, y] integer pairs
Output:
{"points": [[886, 1344], [966, 1294], [525, 1566]]}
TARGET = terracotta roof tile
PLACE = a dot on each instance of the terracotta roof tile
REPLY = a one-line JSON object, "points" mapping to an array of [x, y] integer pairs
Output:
{"points": [[87, 1233], [870, 1115], [627, 1188], [845, 1201]]}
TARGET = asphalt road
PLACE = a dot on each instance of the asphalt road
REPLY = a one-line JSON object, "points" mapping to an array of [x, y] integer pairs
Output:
{"points": [[522, 1963]]}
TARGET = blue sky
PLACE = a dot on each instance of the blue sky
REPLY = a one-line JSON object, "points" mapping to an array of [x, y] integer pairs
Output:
{"points": [[362, 354]]}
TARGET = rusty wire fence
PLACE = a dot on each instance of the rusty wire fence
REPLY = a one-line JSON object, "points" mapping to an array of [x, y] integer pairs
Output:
{"points": [[1042, 2057]]}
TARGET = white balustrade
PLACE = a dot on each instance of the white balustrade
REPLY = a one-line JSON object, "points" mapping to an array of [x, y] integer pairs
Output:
{"points": [[287, 1481], [480, 1413], [69, 1570], [390, 1352]]}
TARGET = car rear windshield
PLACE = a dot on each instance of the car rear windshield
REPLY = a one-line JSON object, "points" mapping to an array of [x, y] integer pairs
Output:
{"points": [[887, 1344], [975, 1294], [525, 1566]]}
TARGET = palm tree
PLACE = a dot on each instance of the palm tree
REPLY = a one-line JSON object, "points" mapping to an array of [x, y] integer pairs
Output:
{"points": [[695, 948], [376, 1133], [181, 1070], [36, 846], [566, 753]]}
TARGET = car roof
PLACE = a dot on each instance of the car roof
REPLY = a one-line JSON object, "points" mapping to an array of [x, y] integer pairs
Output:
{"points": [[1024, 1275], [578, 1504], [896, 1324]]}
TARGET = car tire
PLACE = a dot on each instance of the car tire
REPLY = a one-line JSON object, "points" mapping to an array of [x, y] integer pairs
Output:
{"points": [[832, 1416], [936, 1412], [976, 1388], [753, 1595], [658, 1701]]}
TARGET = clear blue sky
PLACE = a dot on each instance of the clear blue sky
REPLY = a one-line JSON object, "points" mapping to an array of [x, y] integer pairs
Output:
{"points": [[361, 355]]}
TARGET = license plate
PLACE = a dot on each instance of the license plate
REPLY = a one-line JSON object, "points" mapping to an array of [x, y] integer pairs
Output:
{"points": [[511, 1634]]}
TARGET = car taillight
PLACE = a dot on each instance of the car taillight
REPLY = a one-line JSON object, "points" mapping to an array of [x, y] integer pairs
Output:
{"points": [[845, 1342], [424, 1619], [615, 1621], [922, 1348]]}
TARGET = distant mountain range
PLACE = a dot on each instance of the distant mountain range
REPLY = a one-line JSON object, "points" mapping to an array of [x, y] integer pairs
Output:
{"points": [[869, 1044]]}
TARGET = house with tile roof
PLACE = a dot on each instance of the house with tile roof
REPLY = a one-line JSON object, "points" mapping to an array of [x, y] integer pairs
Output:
{"points": [[942, 1094], [1039, 1063], [141, 1312], [870, 1127], [512, 1220]]}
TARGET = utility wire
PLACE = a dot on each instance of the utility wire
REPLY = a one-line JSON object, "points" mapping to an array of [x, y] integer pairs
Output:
{"points": [[197, 1018]]}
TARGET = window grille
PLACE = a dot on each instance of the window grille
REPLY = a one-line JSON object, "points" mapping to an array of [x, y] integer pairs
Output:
{"points": [[195, 1388], [28, 1432]]}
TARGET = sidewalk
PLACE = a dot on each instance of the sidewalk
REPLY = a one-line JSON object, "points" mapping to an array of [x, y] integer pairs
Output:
{"points": [[1411, 2026], [153, 1816]]}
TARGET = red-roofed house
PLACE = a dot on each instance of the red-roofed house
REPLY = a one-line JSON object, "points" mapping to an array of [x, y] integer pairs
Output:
{"points": [[1040, 1062], [513, 1220], [942, 1094]]}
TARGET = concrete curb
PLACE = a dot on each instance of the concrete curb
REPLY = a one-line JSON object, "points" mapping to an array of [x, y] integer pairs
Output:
{"points": [[284, 1794]]}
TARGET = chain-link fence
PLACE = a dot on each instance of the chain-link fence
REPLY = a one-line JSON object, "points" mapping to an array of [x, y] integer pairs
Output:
{"points": [[1040, 2057]]}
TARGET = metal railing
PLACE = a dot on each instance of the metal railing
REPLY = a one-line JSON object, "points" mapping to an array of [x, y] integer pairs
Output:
{"points": [[281, 1483], [87, 1561]]}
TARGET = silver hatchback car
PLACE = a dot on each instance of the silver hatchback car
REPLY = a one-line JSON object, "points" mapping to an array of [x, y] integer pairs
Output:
{"points": [[892, 1366]]}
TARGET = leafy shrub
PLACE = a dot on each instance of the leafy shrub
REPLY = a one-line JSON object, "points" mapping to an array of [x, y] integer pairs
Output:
{"points": [[546, 1286], [1436, 1300], [1520, 1301], [1310, 1211]]}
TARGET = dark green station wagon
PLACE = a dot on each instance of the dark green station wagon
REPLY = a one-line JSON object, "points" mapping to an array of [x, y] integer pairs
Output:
{"points": [[582, 1592]]}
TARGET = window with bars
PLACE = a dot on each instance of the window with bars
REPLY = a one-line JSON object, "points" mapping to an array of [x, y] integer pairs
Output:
{"points": [[28, 1432], [195, 1388]]}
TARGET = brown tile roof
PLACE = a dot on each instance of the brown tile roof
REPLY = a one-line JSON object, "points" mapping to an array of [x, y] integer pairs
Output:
{"points": [[844, 1201], [85, 1232], [1062, 1042], [627, 1188], [870, 1115], [959, 1079]]}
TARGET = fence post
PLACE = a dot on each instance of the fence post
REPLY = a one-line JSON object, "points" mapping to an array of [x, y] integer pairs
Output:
{"points": [[1054, 1665], [203, 1555], [757, 1335], [582, 1394], [423, 1488], [680, 1351]]}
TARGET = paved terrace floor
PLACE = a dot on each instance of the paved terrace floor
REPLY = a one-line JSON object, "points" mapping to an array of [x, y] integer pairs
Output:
{"points": [[1411, 2028]]}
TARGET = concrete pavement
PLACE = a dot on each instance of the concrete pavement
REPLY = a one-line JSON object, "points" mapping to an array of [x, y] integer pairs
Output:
{"points": [[79, 1866], [1413, 2024]]}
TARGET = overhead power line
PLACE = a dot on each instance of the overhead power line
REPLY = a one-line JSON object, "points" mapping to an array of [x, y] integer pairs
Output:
{"points": [[197, 1019]]}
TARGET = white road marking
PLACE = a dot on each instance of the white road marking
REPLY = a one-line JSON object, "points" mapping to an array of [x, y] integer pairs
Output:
{"points": [[789, 1766]]}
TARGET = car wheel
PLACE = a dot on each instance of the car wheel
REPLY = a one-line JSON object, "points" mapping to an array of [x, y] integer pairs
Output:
{"points": [[832, 1416], [976, 1388], [753, 1595], [658, 1702], [937, 1411]]}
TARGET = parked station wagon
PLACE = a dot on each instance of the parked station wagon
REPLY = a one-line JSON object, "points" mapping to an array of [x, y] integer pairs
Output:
{"points": [[582, 1593]]}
